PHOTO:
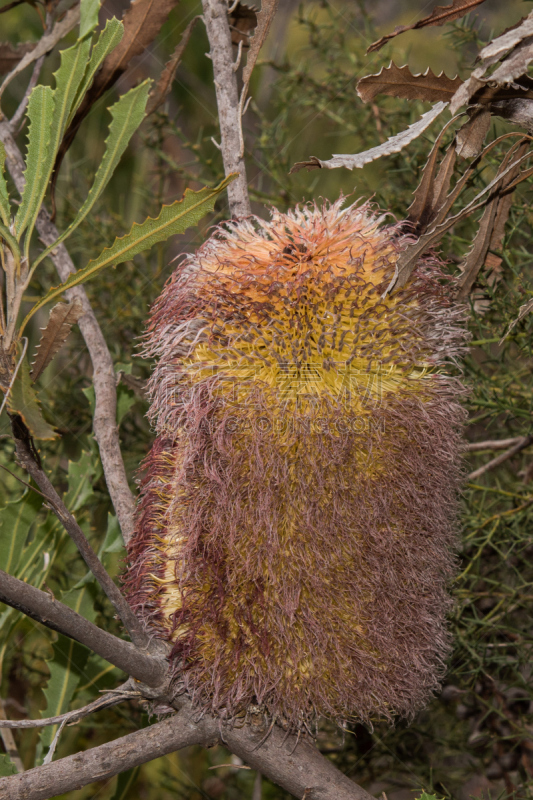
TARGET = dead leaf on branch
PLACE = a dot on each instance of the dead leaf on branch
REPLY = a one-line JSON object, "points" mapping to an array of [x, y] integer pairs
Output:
{"points": [[492, 224], [161, 89], [439, 16], [62, 317], [264, 21], [408, 258], [488, 56], [471, 136], [242, 21], [11, 55], [142, 22], [400, 82], [393, 145], [431, 191]]}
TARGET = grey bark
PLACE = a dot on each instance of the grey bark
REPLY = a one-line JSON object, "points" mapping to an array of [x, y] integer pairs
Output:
{"points": [[296, 766], [43, 608], [229, 112]]}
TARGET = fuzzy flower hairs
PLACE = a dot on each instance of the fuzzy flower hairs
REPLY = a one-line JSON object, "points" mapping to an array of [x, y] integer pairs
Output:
{"points": [[298, 507]]}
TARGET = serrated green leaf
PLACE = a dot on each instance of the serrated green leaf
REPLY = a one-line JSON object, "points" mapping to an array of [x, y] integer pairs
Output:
{"points": [[173, 219], [33, 565], [427, 796], [5, 209], [40, 113], [7, 767], [100, 673], [67, 666], [81, 474], [23, 400], [125, 400], [68, 79], [107, 41], [88, 16], [126, 116], [125, 782], [15, 521]]}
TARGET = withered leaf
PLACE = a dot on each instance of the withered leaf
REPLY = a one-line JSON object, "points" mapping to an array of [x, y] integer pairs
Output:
{"points": [[439, 16], [11, 54], [393, 145], [523, 311], [400, 82], [515, 64], [264, 21], [488, 56], [492, 224], [430, 192], [408, 258], [161, 89], [142, 22], [242, 21], [471, 136], [62, 317]]}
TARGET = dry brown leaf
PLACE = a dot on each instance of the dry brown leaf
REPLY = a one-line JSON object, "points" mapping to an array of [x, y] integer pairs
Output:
{"points": [[492, 224], [264, 20], [430, 191], [400, 82], [488, 56], [45, 43], [408, 258], [161, 89], [439, 16], [142, 22], [393, 145], [471, 136], [242, 21], [62, 317], [10, 54], [515, 64]]}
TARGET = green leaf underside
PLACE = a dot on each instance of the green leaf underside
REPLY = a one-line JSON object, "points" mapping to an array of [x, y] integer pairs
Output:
{"points": [[15, 521], [23, 400], [5, 210], [40, 113], [7, 767], [107, 41], [67, 666], [127, 114], [68, 78], [173, 219], [88, 16]]}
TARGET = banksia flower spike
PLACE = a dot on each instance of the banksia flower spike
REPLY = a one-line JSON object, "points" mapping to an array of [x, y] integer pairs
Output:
{"points": [[297, 518]]}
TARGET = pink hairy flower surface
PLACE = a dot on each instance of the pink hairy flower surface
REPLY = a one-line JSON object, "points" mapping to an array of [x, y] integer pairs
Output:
{"points": [[297, 519]]}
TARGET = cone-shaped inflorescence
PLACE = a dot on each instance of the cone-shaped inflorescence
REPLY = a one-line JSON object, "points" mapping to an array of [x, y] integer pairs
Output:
{"points": [[297, 518]]}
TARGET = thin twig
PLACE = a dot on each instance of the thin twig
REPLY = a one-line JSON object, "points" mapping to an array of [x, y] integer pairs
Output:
{"points": [[15, 372], [51, 750], [492, 444], [9, 743], [105, 412], [70, 717], [216, 21], [19, 113], [524, 442], [30, 464]]}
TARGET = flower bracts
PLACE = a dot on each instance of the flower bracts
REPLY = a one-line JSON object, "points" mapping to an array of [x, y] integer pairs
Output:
{"points": [[297, 516]]}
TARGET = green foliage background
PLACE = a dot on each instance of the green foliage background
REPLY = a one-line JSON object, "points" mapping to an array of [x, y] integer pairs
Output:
{"points": [[478, 735]]}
